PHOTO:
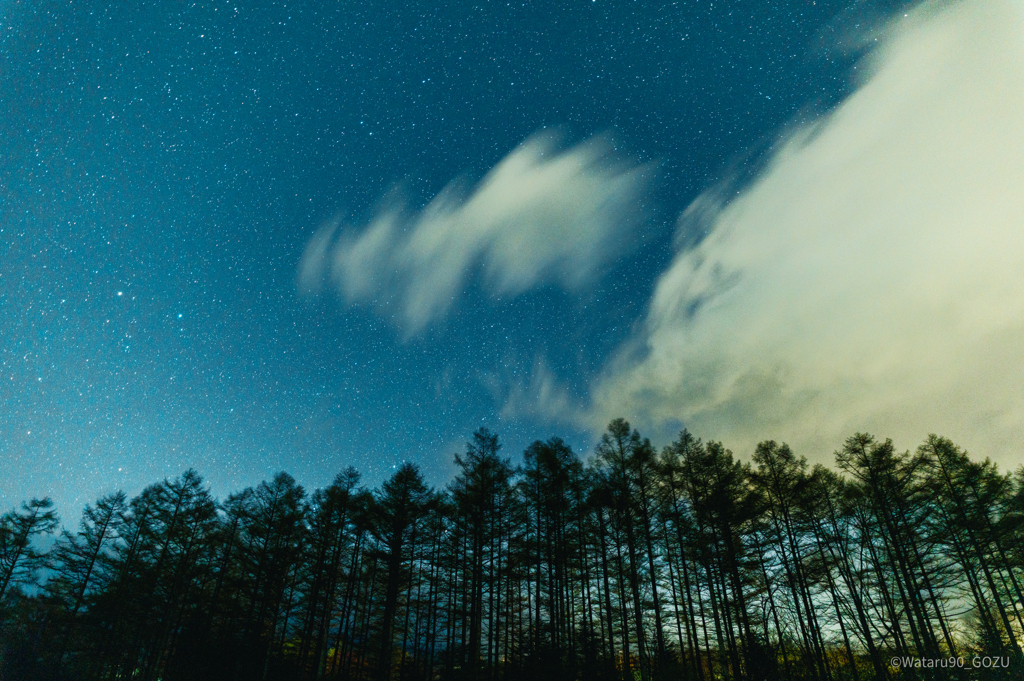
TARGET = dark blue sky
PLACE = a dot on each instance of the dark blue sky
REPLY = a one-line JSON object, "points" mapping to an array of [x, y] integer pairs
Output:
{"points": [[163, 166]]}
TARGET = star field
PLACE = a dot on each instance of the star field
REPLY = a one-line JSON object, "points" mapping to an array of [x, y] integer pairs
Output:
{"points": [[163, 167]]}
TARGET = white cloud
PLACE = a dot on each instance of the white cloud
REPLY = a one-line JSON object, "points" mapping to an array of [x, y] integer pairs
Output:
{"points": [[872, 277], [540, 216]]}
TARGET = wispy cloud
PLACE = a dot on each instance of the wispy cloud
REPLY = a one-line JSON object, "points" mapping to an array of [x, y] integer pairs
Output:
{"points": [[872, 277], [541, 397], [540, 216]]}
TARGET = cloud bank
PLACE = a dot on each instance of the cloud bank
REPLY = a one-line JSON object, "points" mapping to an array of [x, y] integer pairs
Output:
{"points": [[872, 277], [539, 217]]}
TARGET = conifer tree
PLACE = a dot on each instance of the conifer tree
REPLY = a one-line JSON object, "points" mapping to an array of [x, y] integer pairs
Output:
{"points": [[398, 508], [19, 559]]}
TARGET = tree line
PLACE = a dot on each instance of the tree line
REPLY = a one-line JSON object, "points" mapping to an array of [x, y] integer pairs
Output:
{"points": [[635, 564]]}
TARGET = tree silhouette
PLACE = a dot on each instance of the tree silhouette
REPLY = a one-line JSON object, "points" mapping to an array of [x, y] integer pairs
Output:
{"points": [[400, 506], [19, 560], [681, 564]]}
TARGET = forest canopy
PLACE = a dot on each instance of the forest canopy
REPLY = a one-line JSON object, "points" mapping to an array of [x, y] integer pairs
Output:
{"points": [[633, 564]]}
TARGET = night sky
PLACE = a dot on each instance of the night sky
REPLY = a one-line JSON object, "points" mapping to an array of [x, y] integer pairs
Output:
{"points": [[164, 167]]}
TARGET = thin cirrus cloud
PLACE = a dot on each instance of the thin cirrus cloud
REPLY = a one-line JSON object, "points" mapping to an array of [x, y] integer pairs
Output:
{"points": [[543, 397], [872, 277], [540, 216]]}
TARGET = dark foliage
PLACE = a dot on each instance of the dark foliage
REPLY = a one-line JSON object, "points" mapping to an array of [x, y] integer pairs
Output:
{"points": [[685, 564]]}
